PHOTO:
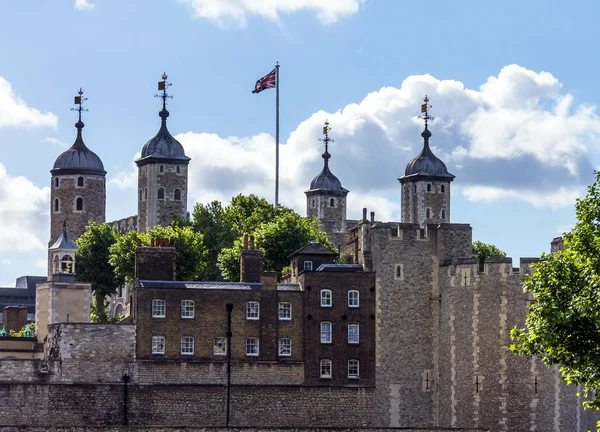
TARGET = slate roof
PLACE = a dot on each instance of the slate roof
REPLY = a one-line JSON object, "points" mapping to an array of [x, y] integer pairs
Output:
{"points": [[241, 286], [313, 248], [426, 165], [326, 181], [78, 158], [163, 145]]}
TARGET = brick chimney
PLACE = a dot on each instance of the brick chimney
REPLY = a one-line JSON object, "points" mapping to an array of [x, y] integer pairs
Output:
{"points": [[14, 318], [156, 262], [251, 262]]}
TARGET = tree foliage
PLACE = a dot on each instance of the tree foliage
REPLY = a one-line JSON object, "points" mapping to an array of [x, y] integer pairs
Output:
{"points": [[484, 250], [563, 324], [190, 258], [278, 238], [93, 263]]}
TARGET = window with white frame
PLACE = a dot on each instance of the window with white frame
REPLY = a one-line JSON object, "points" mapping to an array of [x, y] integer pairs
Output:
{"points": [[252, 310], [159, 308], [353, 333], [353, 298], [285, 311], [187, 345], [353, 369], [325, 332], [325, 368], [220, 346], [187, 308], [308, 266], [252, 347], [158, 344], [285, 347], [326, 298]]}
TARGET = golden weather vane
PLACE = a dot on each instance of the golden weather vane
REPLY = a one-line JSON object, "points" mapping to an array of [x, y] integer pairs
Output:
{"points": [[425, 107], [79, 100], [162, 86], [326, 140]]}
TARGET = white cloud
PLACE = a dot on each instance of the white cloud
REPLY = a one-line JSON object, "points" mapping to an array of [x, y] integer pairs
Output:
{"points": [[15, 112], [84, 5], [5, 262], [24, 218], [127, 178], [56, 142], [562, 197], [41, 263], [223, 11], [518, 137]]}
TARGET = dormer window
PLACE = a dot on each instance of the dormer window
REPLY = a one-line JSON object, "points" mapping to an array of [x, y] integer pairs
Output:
{"points": [[308, 265]]}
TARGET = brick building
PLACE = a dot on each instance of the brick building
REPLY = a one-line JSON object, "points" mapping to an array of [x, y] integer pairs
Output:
{"points": [[321, 319]]}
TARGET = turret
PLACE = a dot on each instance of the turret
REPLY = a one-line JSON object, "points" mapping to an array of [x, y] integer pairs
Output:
{"points": [[162, 175], [326, 198], [78, 185], [426, 183]]}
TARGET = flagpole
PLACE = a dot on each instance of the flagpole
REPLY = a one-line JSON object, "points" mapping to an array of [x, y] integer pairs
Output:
{"points": [[277, 135]]}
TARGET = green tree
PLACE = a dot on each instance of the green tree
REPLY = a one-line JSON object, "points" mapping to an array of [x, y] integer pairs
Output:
{"points": [[190, 258], [221, 226], [93, 265], [563, 324], [483, 250], [278, 238], [212, 222]]}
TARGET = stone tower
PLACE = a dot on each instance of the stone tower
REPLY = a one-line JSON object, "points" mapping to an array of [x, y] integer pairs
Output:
{"points": [[78, 188], [162, 175], [326, 199], [426, 184]]}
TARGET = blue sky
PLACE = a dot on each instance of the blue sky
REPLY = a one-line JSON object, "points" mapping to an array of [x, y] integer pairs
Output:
{"points": [[513, 86]]}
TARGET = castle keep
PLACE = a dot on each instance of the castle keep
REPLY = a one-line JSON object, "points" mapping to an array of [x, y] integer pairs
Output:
{"points": [[414, 333]]}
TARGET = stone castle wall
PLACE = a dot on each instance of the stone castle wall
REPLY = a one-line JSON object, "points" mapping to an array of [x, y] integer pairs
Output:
{"points": [[93, 193], [482, 384], [153, 211]]}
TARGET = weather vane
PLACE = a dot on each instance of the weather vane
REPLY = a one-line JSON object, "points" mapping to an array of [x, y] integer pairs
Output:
{"points": [[326, 140], [162, 86], [425, 107], [79, 100]]}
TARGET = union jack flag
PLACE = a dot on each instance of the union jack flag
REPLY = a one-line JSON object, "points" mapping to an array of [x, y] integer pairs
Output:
{"points": [[266, 82]]}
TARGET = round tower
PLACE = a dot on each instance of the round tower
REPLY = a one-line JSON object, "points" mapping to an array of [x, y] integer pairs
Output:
{"points": [[78, 186], [162, 175], [426, 184], [326, 198]]}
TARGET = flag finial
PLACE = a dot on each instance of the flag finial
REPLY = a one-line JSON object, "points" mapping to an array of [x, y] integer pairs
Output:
{"points": [[326, 140], [162, 86], [425, 107], [79, 100]]}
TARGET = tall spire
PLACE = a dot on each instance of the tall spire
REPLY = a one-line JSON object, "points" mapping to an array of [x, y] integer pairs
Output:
{"points": [[425, 107], [162, 86], [326, 140], [79, 100]]}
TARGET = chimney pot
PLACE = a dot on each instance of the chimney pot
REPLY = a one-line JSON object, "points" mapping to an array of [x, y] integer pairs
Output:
{"points": [[372, 216], [251, 242], [364, 214], [245, 241]]}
